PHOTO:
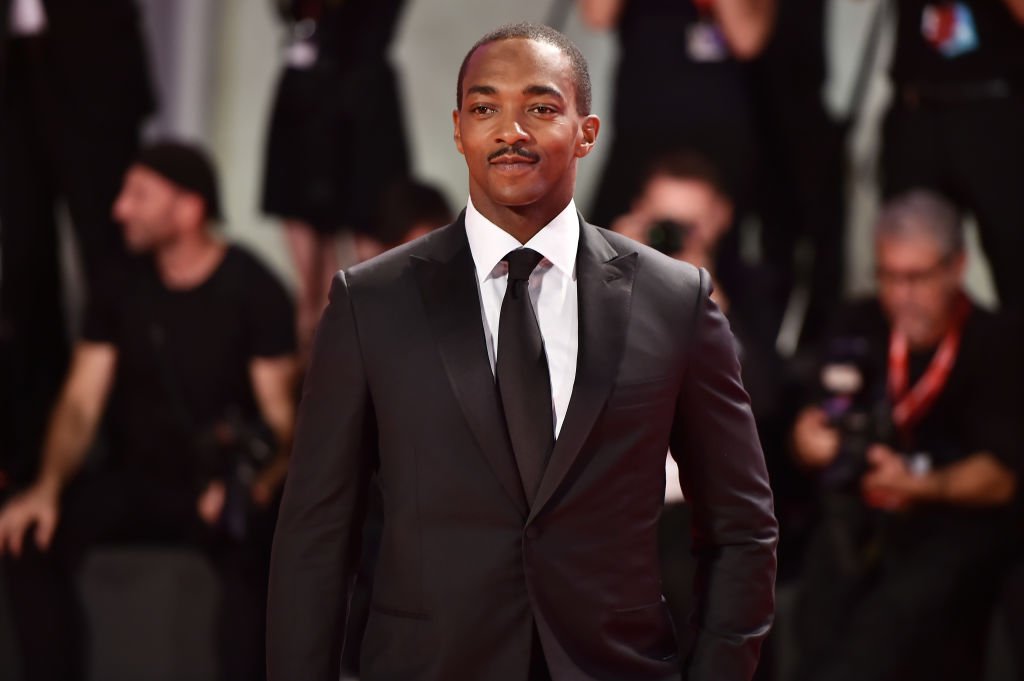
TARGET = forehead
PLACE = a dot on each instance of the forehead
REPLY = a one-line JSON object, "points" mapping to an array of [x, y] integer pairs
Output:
{"points": [[519, 62], [140, 175], [679, 192], [908, 250]]}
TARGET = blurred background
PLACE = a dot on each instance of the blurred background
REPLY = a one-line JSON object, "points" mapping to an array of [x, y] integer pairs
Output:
{"points": [[179, 179]]}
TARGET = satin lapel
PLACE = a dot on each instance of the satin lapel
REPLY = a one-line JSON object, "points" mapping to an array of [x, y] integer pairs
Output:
{"points": [[604, 287], [449, 290]]}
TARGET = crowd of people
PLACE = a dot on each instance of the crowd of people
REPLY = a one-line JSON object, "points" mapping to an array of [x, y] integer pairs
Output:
{"points": [[892, 430]]}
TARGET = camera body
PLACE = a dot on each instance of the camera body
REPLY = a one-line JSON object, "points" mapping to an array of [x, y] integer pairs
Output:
{"points": [[855, 400], [667, 236]]}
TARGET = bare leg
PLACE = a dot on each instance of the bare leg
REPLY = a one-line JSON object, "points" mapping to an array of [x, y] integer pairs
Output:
{"points": [[306, 247]]}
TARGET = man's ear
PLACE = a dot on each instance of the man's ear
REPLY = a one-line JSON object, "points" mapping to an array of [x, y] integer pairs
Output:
{"points": [[191, 209], [589, 129], [458, 132]]}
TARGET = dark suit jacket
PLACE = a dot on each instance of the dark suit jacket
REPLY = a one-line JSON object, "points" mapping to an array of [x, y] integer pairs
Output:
{"points": [[96, 59], [400, 382]]}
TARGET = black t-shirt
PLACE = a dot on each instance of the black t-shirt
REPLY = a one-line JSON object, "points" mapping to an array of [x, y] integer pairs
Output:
{"points": [[957, 42], [183, 358], [980, 408]]}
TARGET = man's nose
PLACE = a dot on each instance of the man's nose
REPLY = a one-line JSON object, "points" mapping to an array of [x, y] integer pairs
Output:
{"points": [[511, 131]]}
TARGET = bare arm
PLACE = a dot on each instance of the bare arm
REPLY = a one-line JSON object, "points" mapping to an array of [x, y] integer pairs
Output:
{"points": [[273, 379], [747, 25], [600, 15], [71, 431], [979, 480], [1016, 8]]}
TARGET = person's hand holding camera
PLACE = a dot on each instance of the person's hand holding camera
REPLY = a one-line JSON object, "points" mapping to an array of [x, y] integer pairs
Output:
{"points": [[40, 506], [889, 484], [264, 488], [815, 440]]}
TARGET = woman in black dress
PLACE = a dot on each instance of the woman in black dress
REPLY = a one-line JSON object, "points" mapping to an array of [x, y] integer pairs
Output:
{"points": [[336, 138]]}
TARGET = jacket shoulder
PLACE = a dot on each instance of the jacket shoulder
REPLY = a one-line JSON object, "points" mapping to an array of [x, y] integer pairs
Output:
{"points": [[681, 277]]}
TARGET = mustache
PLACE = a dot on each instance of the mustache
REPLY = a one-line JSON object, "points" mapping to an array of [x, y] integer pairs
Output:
{"points": [[514, 151]]}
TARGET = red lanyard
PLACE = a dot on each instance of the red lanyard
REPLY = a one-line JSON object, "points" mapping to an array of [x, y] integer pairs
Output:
{"points": [[911, 404], [704, 7]]}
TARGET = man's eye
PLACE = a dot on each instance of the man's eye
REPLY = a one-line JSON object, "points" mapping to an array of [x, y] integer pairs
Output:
{"points": [[481, 109], [544, 109]]}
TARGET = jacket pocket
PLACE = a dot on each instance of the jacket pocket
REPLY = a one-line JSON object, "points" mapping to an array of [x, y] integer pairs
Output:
{"points": [[647, 629]]}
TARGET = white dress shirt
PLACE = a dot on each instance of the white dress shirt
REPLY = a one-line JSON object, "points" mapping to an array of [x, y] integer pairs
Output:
{"points": [[27, 17], [552, 291]]}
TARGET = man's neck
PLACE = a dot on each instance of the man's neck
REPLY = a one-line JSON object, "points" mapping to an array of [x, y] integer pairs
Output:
{"points": [[189, 261], [522, 222]]}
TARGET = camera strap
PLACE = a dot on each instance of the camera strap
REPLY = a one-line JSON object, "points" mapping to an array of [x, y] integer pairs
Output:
{"points": [[910, 404]]}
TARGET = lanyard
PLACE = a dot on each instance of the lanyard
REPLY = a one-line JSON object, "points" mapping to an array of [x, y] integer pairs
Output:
{"points": [[911, 403], [704, 7]]}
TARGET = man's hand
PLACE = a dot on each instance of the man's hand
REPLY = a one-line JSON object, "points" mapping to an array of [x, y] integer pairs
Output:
{"points": [[815, 442], [264, 488], [40, 506], [889, 485], [211, 502]]}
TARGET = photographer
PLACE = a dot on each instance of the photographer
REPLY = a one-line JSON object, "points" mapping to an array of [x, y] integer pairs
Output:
{"points": [[185, 367], [913, 438]]}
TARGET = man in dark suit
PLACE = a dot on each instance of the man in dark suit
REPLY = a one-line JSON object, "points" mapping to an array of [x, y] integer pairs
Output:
{"points": [[74, 89], [516, 404]]}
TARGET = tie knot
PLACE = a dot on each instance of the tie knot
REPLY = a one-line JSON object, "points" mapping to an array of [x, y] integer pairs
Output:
{"points": [[521, 263]]}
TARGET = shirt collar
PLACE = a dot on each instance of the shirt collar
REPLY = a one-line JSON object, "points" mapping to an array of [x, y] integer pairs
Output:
{"points": [[557, 241]]}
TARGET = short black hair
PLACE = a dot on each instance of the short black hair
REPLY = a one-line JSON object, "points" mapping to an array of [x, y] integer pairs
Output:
{"points": [[690, 166], [542, 34], [406, 204]]}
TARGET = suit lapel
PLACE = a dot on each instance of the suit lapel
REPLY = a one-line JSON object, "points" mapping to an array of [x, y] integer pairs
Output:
{"points": [[447, 284], [604, 288]]}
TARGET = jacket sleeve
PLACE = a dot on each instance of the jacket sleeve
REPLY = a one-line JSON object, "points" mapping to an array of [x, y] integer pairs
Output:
{"points": [[316, 544], [723, 475]]}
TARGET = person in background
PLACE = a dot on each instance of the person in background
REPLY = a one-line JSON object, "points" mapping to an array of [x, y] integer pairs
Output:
{"points": [[799, 194], [694, 54], [74, 91], [914, 437], [336, 93], [956, 122], [411, 209], [190, 368]]}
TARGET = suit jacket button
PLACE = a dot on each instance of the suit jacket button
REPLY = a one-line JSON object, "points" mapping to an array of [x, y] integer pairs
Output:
{"points": [[532, 532]]}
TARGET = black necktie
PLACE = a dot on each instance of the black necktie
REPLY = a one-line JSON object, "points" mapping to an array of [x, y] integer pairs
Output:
{"points": [[522, 373]]}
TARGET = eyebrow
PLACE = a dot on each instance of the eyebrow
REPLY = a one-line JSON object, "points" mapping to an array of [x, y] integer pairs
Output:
{"points": [[529, 90]]}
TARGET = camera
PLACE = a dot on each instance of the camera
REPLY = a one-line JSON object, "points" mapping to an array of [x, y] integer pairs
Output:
{"points": [[668, 236], [856, 404], [235, 450]]}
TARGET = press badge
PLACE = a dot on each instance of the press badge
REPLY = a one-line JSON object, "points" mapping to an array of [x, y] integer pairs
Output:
{"points": [[949, 28], [705, 42]]}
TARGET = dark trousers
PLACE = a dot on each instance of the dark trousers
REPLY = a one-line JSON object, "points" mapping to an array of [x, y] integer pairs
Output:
{"points": [[896, 598], [49, 159], [972, 151], [125, 509], [800, 200], [1012, 607]]}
